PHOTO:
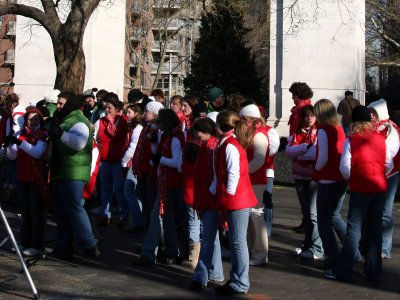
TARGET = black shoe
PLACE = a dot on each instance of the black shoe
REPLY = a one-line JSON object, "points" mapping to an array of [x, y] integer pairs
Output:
{"points": [[91, 252], [195, 285], [299, 229], [227, 290], [167, 260], [105, 222], [141, 260]]}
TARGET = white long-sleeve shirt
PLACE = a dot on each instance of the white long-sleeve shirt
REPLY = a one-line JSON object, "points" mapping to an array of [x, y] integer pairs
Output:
{"points": [[301, 152], [76, 137], [35, 151], [274, 143], [233, 169], [176, 149], [132, 145]]}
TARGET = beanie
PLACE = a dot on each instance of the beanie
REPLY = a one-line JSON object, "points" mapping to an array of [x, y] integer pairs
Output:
{"points": [[154, 107], [360, 114], [200, 110], [251, 110], [135, 95], [380, 108], [214, 93], [88, 93], [52, 96]]}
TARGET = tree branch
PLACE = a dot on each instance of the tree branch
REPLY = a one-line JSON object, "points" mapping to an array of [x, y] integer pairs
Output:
{"points": [[387, 39], [51, 24]]}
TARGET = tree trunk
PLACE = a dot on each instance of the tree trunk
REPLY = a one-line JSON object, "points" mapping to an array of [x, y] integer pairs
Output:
{"points": [[70, 64]]}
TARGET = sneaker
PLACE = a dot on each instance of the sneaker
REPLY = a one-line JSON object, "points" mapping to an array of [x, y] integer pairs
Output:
{"points": [[31, 252], [257, 262], [296, 251], [142, 260], [167, 260], [227, 290], [330, 274], [91, 252], [309, 255]]}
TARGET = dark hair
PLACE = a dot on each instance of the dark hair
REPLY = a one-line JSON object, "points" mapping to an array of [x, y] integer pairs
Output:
{"points": [[33, 110], [135, 95], [101, 94], [348, 93], [301, 90], [169, 119], [234, 102], [113, 99], [205, 125], [303, 112], [191, 100], [12, 99], [176, 97], [157, 92], [247, 102], [227, 120], [139, 118]]}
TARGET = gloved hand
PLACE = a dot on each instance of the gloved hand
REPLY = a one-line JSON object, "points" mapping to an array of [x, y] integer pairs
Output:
{"points": [[124, 172], [155, 158], [55, 132], [6, 141], [14, 140]]}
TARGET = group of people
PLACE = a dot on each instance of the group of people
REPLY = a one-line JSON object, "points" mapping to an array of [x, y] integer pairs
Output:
{"points": [[205, 166], [328, 159]]}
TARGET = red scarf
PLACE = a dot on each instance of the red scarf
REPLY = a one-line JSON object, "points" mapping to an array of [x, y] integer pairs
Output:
{"points": [[162, 172], [294, 118], [308, 136], [112, 124]]}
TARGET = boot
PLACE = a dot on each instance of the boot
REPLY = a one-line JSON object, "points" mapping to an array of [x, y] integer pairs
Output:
{"points": [[194, 251]]}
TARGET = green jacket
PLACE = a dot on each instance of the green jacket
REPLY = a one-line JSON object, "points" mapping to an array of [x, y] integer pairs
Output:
{"points": [[67, 163]]}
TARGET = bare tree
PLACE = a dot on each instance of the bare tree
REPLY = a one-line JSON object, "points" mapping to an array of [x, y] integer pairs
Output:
{"points": [[66, 36]]}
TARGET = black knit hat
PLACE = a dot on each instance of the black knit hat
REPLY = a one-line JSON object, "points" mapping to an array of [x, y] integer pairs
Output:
{"points": [[361, 114]]}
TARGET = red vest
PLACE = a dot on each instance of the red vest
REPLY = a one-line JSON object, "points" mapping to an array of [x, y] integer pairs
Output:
{"points": [[330, 171], [112, 148], [25, 168], [368, 155], [203, 176], [259, 176], [142, 156], [244, 196], [307, 137], [173, 177]]}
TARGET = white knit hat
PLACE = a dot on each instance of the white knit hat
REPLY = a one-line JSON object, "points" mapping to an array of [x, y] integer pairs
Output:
{"points": [[52, 96], [154, 107], [213, 116], [380, 108], [250, 110]]}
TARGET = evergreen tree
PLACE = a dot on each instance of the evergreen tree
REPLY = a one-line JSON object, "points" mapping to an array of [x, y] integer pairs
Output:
{"points": [[221, 57]]}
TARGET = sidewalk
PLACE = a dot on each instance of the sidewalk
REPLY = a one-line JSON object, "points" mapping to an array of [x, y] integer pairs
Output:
{"points": [[112, 277]]}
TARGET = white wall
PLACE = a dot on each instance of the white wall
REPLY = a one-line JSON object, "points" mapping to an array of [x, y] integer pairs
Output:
{"points": [[323, 47], [104, 42]]}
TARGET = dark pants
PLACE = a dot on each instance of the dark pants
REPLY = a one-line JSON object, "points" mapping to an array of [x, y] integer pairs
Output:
{"points": [[32, 226]]}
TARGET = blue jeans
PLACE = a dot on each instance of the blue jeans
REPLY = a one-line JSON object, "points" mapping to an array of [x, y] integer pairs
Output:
{"points": [[369, 207], [329, 202], [307, 194], [154, 233], [194, 225], [387, 219], [209, 266], [268, 208], [238, 221], [133, 199], [10, 174], [72, 219], [111, 182]]}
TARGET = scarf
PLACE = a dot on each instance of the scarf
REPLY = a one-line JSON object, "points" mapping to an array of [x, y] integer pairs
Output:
{"points": [[162, 170], [295, 111], [308, 136], [112, 123]]}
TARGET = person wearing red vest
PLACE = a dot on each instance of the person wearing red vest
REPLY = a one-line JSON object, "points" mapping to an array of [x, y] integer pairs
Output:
{"points": [[331, 185], [167, 158], [365, 162], [252, 129], [391, 132], [301, 95], [141, 161], [301, 148], [31, 149], [209, 266], [232, 187], [111, 134]]}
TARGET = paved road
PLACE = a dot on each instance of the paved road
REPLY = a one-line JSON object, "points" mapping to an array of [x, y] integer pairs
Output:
{"points": [[112, 277]]}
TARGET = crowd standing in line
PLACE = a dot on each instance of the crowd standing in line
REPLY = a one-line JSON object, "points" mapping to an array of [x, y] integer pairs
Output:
{"points": [[206, 167]]}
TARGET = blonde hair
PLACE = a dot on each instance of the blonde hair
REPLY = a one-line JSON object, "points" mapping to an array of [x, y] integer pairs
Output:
{"points": [[325, 112], [361, 127], [245, 134]]}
